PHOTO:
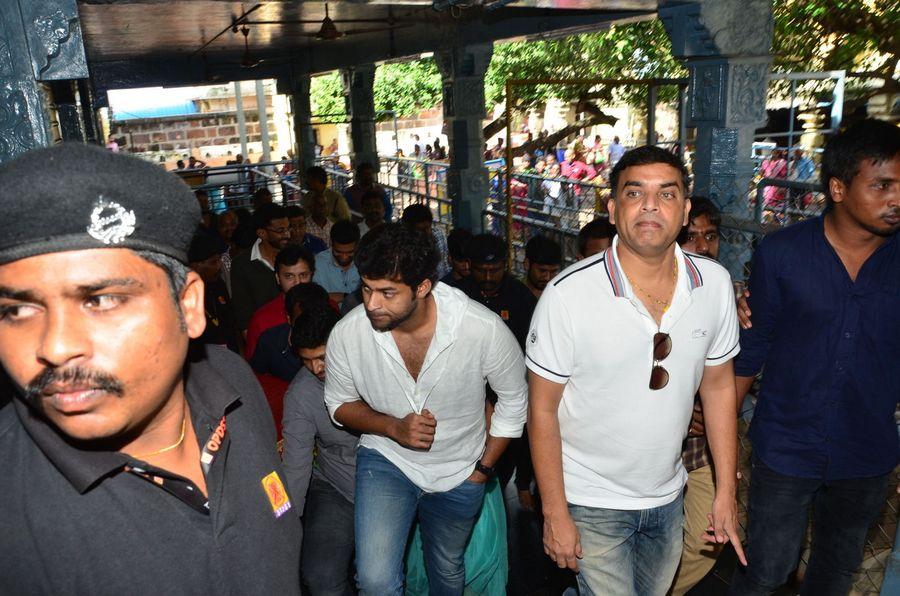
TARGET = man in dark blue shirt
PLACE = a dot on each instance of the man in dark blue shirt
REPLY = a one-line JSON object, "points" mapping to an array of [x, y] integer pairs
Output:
{"points": [[826, 327]]}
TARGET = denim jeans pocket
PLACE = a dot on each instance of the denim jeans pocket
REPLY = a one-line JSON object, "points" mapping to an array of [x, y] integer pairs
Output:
{"points": [[470, 483]]}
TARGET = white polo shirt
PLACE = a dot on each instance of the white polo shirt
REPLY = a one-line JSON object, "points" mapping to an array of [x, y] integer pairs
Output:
{"points": [[471, 346], [621, 441]]}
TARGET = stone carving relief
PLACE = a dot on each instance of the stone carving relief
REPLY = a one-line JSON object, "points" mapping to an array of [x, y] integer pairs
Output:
{"points": [[707, 85], [469, 97], [448, 99], [54, 39], [5, 57], [748, 93], [16, 133], [723, 152], [52, 30], [477, 184]]}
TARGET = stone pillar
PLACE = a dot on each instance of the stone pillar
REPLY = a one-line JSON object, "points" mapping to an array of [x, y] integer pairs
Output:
{"points": [[725, 44], [241, 119], [39, 41], [297, 88], [359, 96], [90, 122], [263, 119], [463, 68]]}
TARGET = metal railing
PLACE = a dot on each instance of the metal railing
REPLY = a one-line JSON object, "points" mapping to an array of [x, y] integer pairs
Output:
{"points": [[233, 186], [407, 182], [410, 181], [554, 207]]}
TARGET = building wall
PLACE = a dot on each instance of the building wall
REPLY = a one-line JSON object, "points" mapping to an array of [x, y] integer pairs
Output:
{"points": [[201, 135]]}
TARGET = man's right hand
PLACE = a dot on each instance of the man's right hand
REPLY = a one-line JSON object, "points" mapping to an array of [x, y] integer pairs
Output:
{"points": [[415, 431], [561, 540], [743, 309]]}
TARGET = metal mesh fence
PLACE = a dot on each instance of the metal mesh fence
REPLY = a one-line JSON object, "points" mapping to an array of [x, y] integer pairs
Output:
{"points": [[553, 207], [233, 186]]}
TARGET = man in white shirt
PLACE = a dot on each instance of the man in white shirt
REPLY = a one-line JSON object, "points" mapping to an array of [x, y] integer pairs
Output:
{"points": [[407, 370], [616, 151], [619, 344]]}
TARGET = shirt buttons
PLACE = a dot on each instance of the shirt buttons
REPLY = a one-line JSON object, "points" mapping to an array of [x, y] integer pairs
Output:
{"points": [[847, 335]]}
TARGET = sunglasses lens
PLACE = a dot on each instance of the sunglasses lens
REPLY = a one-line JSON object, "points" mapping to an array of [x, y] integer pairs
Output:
{"points": [[662, 346], [659, 378]]}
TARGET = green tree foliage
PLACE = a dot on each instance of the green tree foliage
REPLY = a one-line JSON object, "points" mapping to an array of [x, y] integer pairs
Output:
{"points": [[407, 87], [402, 87], [635, 50], [851, 35], [326, 97]]}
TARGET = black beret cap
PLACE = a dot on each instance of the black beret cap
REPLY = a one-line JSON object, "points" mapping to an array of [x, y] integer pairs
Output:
{"points": [[487, 248], [543, 251], [204, 246], [75, 196]]}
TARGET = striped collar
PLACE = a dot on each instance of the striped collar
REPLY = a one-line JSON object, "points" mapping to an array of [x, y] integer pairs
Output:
{"points": [[619, 283]]}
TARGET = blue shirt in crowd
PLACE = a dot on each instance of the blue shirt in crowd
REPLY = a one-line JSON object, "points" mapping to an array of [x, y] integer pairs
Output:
{"points": [[313, 244], [332, 277], [831, 351]]}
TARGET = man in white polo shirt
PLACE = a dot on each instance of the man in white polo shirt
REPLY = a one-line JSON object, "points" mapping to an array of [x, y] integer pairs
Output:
{"points": [[407, 369], [619, 345]]}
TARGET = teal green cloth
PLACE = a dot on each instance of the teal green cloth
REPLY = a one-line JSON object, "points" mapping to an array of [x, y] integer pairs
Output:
{"points": [[486, 556]]}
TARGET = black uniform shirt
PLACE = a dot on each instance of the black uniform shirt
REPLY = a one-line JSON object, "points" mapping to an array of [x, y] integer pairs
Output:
{"points": [[77, 522], [514, 303], [221, 328]]}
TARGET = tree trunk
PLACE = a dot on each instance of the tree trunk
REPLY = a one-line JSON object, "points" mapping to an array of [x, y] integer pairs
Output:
{"points": [[595, 116]]}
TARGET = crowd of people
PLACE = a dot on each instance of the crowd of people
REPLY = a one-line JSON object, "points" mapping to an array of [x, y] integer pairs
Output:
{"points": [[322, 398], [778, 202]]}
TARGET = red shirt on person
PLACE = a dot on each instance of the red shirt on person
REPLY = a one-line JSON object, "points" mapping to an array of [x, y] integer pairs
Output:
{"points": [[266, 316]]}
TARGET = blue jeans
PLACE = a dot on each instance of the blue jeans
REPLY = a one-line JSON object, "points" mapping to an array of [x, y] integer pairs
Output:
{"points": [[629, 552], [778, 514], [387, 503], [326, 560]]}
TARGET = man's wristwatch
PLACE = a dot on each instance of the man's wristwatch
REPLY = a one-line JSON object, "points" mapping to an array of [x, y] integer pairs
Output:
{"points": [[489, 472]]}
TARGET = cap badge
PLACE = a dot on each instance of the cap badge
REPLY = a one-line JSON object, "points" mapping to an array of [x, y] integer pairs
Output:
{"points": [[111, 223]]}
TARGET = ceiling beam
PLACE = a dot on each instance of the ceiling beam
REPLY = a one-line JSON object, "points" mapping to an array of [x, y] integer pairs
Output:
{"points": [[326, 56]]}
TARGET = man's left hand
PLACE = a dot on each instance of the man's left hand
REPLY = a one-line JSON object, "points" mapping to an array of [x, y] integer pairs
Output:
{"points": [[723, 526]]}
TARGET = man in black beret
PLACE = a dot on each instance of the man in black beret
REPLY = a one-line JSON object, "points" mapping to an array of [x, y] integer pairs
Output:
{"points": [[205, 257], [129, 467], [491, 285], [543, 258]]}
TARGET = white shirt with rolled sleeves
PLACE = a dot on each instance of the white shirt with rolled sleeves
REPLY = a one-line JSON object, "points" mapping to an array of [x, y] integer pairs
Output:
{"points": [[621, 441], [471, 346]]}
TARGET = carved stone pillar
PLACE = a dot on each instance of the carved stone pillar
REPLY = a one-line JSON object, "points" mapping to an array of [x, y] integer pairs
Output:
{"points": [[297, 87], [39, 41], [92, 132], [463, 69], [725, 44], [359, 96]]}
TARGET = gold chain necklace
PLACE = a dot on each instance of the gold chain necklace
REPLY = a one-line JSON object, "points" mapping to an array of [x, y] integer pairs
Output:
{"points": [[170, 447], [664, 304]]}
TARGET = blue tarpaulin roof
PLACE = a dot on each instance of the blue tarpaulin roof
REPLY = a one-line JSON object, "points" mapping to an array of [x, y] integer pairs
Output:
{"points": [[176, 109]]}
